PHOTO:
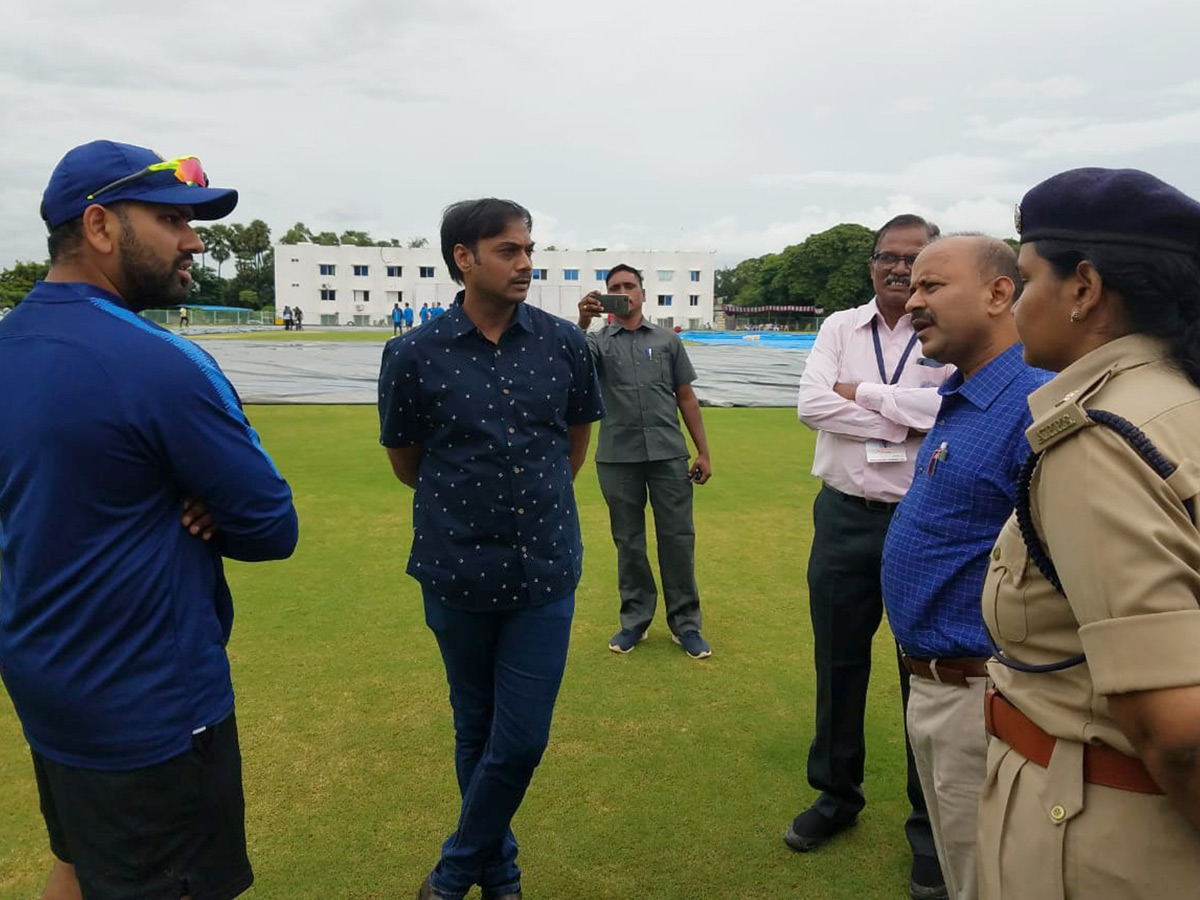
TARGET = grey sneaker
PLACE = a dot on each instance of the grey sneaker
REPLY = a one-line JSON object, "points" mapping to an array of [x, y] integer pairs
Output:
{"points": [[625, 640], [691, 641]]}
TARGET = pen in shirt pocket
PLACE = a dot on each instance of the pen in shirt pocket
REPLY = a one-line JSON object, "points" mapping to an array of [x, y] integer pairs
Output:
{"points": [[939, 455], [649, 353]]}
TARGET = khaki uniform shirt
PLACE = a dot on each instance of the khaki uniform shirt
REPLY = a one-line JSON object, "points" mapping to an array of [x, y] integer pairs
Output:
{"points": [[639, 371], [1128, 556]]}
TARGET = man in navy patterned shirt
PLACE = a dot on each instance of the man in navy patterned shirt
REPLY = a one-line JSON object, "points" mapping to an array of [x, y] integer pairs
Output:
{"points": [[487, 413], [936, 554]]}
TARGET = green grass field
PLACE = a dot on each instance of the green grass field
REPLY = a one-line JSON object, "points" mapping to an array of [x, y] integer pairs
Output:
{"points": [[665, 778]]}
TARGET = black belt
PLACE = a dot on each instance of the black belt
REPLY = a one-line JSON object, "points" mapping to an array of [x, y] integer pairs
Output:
{"points": [[875, 505]]}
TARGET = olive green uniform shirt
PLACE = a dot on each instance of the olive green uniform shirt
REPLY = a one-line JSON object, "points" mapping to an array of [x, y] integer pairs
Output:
{"points": [[1128, 556], [639, 371]]}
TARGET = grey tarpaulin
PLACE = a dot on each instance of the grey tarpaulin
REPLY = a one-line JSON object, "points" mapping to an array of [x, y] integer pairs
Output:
{"points": [[319, 372]]}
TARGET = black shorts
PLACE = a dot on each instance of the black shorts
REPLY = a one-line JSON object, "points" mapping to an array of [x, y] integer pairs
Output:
{"points": [[159, 833]]}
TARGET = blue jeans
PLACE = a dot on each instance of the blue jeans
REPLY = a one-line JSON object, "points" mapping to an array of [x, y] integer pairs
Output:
{"points": [[504, 671]]}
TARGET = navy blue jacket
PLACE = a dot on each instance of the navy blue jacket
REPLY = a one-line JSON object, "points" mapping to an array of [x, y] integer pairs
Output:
{"points": [[113, 618]]}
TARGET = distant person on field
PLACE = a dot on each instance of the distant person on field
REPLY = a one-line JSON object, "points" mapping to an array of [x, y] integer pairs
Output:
{"points": [[397, 319], [298, 317], [425, 313], [647, 381], [287, 318], [183, 317], [128, 472], [486, 413], [408, 318]]}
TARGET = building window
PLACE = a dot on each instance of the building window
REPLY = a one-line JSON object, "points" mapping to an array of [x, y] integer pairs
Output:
{"points": [[362, 270], [426, 271], [602, 274], [666, 274], [328, 294], [328, 269], [540, 274], [295, 259], [694, 274], [397, 271], [693, 299], [362, 296], [395, 296], [329, 319], [664, 299], [570, 274]]}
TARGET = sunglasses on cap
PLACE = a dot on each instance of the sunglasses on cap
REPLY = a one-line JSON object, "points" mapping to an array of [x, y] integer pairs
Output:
{"points": [[186, 168]]}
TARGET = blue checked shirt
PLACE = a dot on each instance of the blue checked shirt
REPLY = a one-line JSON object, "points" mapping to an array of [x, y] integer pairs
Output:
{"points": [[936, 553], [494, 519]]}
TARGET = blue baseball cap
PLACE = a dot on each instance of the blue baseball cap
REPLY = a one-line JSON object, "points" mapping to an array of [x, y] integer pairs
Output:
{"points": [[1110, 206], [82, 176]]}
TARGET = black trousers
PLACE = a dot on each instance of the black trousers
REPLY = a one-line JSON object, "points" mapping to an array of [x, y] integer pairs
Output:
{"points": [[847, 607]]}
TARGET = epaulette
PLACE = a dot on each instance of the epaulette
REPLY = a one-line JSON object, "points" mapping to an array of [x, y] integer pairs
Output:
{"points": [[1062, 420]]}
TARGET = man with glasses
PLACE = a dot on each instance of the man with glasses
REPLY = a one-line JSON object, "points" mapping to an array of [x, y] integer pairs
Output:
{"points": [[871, 397], [127, 472]]}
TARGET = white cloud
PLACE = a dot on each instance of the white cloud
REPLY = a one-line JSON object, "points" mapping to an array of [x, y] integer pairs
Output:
{"points": [[945, 175], [1113, 138], [1061, 87]]}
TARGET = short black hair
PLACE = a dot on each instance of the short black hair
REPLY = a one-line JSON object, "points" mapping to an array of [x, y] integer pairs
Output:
{"points": [[1159, 289], [470, 221], [621, 267], [65, 240], [906, 220]]}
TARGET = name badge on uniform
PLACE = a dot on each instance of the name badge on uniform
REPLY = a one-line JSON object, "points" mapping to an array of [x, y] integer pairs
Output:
{"points": [[883, 452]]}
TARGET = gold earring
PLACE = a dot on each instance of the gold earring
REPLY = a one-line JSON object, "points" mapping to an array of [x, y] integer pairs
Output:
{"points": [[1076, 315]]}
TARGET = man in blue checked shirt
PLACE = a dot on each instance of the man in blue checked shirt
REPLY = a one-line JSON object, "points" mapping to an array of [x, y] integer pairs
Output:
{"points": [[128, 471], [935, 557], [486, 411]]}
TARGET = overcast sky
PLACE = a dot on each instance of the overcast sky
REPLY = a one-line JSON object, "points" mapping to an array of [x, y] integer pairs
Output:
{"points": [[739, 127]]}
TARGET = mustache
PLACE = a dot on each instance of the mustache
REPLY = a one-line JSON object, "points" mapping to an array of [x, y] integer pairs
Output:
{"points": [[897, 279], [923, 318]]}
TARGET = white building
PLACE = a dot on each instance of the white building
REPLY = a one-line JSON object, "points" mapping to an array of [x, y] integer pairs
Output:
{"points": [[359, 285]]}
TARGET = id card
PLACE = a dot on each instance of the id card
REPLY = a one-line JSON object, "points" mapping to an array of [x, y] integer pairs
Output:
{"points": [[883, 452]]}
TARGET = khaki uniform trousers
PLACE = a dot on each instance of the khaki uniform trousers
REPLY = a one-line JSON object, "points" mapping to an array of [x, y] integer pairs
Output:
{"points": [[949, 741], [1047, 834]]}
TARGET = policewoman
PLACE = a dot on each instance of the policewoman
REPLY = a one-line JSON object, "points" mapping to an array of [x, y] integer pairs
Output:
{"points": [[1093, 594]]}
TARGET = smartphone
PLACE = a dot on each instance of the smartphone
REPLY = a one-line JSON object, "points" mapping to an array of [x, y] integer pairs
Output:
{"points": [[617, 304], [696, 474]]}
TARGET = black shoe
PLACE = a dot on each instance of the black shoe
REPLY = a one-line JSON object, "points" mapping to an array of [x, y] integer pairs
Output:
{"points": [[426, 891], [811, 829], [926, 882]]}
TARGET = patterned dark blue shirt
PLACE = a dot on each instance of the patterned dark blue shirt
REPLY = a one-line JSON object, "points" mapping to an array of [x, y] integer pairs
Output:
{"points": [[494, 518], [936, 552]]}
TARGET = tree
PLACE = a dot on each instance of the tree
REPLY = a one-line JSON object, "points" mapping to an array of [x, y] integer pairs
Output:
{"points": [[205, 235], [417, 243], [297, 234], [258, 240], [326, 239], [18, 281], [357, 239], [219, 237]]}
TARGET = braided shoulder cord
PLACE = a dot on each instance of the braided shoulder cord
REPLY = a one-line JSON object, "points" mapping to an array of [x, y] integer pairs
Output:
{"points": [[1144, 448]]}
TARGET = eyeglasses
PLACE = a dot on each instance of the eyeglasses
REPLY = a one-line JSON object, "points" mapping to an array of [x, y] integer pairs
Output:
{"points": [[891, 259], [186, 168]]}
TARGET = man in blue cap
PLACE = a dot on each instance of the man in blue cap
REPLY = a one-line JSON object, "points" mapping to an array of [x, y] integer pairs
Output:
{"points": [[127, 472]]}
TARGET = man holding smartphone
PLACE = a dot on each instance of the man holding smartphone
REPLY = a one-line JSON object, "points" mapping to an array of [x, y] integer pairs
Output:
{"points": [[646, 377]]}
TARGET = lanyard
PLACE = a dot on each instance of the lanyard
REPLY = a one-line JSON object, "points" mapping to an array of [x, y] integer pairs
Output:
{"points": [[879, 354]]}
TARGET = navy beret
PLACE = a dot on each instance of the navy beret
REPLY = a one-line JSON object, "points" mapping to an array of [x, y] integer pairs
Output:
{"points": [[1110, 206]]}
